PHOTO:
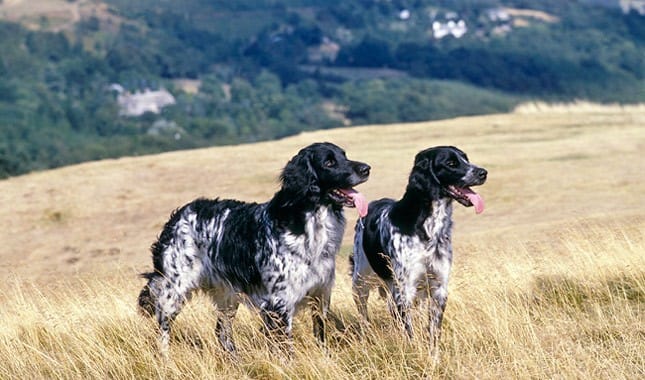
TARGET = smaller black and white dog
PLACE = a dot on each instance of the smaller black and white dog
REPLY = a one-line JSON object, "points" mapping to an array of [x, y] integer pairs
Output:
{"points": [[406, 246], [276, 256]]}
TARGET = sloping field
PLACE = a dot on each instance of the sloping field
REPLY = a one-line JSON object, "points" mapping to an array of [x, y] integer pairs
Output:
{"points": [[54, 15], [549, 282]]}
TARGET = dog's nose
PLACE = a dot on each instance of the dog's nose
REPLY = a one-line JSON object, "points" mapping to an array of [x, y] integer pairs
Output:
{"points": [[482, 173], [363, 170]]}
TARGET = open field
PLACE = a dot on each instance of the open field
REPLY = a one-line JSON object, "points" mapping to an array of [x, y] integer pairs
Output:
{"points": [[549, 282], [53, 15]]}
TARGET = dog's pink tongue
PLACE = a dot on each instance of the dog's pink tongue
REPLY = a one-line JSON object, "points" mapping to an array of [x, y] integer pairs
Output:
{"points": [[475, 199], [359, 201]]}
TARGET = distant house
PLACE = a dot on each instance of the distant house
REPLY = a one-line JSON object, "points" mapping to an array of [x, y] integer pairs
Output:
{"points": [[326, 51], [451, 15], [453, 28], [633, 5], [138, 103], [498, 15], [500, 30]]}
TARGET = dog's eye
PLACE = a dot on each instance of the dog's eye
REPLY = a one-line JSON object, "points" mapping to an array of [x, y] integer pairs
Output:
{"points": [[330, 163], [452, 164]]}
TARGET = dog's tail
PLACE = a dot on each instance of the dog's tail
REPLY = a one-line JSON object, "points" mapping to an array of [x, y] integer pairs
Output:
{"points": [[358, 246], [147, 299]]}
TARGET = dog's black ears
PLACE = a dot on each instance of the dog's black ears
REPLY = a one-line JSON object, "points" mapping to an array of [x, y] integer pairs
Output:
{"points": [[299, 177], [423, 178], [426, 164]]}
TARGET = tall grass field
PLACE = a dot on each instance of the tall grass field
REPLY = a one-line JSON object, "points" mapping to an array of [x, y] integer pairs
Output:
{"points": [[547, 283]]}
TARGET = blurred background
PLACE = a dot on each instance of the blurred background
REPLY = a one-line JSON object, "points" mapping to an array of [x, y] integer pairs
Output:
{"points": [[90, 79]]}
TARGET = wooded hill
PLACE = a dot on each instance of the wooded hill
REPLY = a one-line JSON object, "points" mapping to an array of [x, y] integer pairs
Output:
{"points": [[254, 70]]}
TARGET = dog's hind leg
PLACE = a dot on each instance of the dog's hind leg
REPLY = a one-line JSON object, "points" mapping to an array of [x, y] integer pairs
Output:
{"points": [[171, 291], [169, 301], [361, 293], [362, 275], [278, 320]]}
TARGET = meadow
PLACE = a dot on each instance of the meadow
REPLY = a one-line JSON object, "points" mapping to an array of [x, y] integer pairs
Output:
{"points": [[549, 282]]}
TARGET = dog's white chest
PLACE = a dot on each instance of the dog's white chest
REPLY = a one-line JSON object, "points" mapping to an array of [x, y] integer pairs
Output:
{"points": [[438, 227], [318, 231], [308, 259], [417, 256], [412, 257]]}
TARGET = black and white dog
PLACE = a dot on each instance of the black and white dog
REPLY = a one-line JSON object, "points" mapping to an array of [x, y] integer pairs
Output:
{"points": [[406, 246], [276, 256]]}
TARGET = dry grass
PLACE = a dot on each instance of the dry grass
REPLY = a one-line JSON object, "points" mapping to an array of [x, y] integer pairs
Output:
{"points": [[548, 283]]}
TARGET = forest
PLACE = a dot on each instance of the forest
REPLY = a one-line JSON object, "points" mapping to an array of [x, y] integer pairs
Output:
{"points": [[267, 69]]}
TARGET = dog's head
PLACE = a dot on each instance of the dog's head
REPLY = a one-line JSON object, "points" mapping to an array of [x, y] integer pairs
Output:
{"points": [[321, 173], [445, 171]]}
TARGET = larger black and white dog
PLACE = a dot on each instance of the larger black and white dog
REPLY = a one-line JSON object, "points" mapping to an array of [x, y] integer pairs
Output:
{"points": [[406, 246], [277, 255]]}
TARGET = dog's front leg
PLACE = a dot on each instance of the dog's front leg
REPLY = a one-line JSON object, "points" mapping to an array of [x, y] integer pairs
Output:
{"points": [[436, 308], [437, 305], [400, 306], [438, 279], [320, 307]]}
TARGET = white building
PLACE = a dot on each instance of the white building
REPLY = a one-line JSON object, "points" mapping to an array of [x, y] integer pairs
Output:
{"points": [[138, 103], [498, 15], [456, 29], [326, 51], [404, 14], [636, 5]]}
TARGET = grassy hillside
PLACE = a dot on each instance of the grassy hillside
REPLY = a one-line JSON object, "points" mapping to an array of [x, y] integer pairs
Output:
{"points": [[547, 282]]}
